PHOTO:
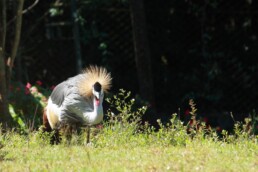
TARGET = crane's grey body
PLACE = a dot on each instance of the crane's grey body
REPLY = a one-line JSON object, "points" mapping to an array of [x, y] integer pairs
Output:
{"points": [[67, 106], [77, 102]]}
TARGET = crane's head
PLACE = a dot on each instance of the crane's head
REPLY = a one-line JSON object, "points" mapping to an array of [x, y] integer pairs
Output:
{"points": [[94, 82], [98, 93]]}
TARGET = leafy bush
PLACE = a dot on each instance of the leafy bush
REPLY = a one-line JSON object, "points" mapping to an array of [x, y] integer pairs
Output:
{"points": [[123, 122], [27, 103]]}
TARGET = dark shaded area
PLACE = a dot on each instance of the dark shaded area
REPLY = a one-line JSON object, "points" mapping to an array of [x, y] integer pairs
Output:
{"points": [[202, 50]]}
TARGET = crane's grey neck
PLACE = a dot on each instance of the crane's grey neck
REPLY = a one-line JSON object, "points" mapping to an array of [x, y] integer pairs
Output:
{"points": [[97, 115]]}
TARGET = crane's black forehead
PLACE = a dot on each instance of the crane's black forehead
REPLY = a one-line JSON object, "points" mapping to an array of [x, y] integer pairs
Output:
{"points": [[97, 87]]}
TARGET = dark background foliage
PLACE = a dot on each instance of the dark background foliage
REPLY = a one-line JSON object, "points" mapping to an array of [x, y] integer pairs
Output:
{"points": [[205, 50]]}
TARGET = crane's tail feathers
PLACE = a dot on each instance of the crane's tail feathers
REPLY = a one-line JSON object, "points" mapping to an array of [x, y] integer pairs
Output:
{"points": [[94, 74]]}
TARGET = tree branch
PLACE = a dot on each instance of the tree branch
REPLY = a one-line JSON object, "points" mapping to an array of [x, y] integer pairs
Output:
{"points": [[24, 11], [30, 7], [18, 25]]}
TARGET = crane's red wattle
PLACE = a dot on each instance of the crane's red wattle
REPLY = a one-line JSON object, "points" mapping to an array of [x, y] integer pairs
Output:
{"points": [[97, 102]]}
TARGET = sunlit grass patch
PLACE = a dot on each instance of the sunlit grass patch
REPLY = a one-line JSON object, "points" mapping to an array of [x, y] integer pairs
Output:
{"points": [[123, 143]]}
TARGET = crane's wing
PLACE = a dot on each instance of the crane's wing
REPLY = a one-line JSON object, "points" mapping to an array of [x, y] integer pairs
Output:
{"points": [[58, 94], [64, 89], [75, 106]]}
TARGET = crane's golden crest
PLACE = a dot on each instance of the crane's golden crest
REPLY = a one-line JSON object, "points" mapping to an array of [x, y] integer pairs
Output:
{"points": [[92, 75]]}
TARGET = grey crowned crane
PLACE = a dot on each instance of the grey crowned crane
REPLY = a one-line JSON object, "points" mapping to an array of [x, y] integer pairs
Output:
{"points": [[77, 101]]}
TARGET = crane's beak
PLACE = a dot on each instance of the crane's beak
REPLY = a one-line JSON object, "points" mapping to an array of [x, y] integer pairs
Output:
{"points": [[97, 95]]}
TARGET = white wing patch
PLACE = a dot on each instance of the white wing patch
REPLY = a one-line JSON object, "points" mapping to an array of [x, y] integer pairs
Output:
{"points": [[53, 114]]}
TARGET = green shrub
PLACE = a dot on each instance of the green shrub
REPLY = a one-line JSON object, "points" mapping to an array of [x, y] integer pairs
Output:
{"points": [[125, 127], [26, 104]]}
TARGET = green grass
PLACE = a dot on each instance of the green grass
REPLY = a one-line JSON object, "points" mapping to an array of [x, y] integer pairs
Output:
{"points": [[30, 153], [124, 145]]}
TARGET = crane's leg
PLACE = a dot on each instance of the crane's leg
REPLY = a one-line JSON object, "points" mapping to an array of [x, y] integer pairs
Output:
{"points": [[68, 130], [55, 139], [88, 134]]}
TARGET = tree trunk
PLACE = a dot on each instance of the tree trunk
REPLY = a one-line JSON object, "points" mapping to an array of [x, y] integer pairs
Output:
{"points": [[4, 115], [76, 36], [142, 51], [5, 75]]}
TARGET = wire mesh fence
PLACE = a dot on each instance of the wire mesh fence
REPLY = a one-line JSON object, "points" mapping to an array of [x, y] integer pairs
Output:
{"points": [[203, 50]]}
